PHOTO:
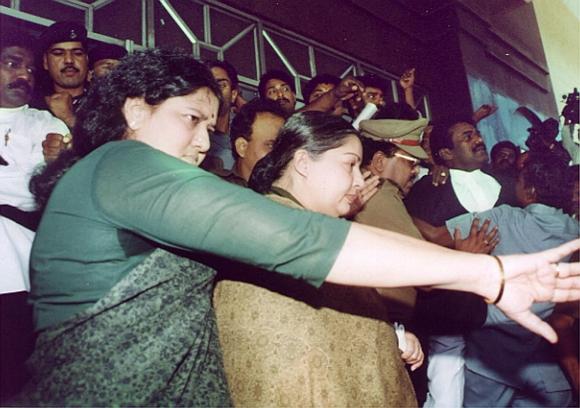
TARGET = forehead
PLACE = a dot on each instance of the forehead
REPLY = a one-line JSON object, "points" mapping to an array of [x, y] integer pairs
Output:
{"points": [[351, 145], [107, 61], [203, 100], [506, 150], [459, 129], [17, 52], [275, 82], [323, 86], [67, 45], [266, 125], [220, 73], [372, 89]]}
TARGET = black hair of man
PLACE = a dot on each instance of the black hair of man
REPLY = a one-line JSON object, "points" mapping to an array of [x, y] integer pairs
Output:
{"points": [[226, 66], [106, 51], [275, 74], [505, 144], [16, 39], [244, 120], [549, 180], [317, 80], [394, 110], [373, 81], [441, 137]]}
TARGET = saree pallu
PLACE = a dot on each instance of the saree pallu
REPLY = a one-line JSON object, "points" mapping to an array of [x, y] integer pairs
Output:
{"points": [[151, 341]]}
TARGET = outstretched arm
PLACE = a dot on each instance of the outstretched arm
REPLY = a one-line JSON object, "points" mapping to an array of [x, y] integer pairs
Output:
{"points": [[349, 89], [409, 262]]}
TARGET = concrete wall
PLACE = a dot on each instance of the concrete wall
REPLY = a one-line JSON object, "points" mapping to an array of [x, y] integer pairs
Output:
{"points": [[559, 24]]}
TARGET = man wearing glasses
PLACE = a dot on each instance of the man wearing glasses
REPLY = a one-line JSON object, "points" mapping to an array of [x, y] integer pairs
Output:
{"points": [[392, 151]]}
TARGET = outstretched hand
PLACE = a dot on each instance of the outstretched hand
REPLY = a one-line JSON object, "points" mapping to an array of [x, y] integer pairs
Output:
{"points": [[539, 278]]}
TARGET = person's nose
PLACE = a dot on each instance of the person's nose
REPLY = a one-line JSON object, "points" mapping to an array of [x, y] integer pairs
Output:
{"points": [[68, 57], [25, 73], [358, 180], [201, 140]]}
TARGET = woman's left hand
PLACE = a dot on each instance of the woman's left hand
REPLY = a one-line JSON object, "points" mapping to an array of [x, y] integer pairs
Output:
{"points": [[413, 354], [538, 277]]}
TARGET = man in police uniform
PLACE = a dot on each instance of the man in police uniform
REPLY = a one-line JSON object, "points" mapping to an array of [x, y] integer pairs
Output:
{"points": [[64, 56]]}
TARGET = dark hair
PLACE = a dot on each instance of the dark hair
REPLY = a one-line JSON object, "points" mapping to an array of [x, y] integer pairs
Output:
{"points": [[244, 120], [441, 137], [275, 74], [17, 39], [154, 75], [317, 80], [315, 132], [374, 81], [371, 146], [226, 66], [549, 180], [506, 144], [105, 51]]}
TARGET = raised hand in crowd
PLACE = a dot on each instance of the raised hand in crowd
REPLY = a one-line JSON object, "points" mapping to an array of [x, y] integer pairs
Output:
{"points": [[407, 82], [483, 112], [349, 91], [53, 144]]}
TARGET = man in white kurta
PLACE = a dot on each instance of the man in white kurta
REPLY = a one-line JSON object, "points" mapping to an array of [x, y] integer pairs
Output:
{"points": [[22, 132]]}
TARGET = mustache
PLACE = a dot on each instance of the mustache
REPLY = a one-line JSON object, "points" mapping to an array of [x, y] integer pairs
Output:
{"points": [[69, 67], [478, 145], [21, 83]]}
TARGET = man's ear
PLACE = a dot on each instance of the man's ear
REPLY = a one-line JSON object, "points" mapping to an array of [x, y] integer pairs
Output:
{"points": [[90, 75], [301, 162], [45, 61], [377, 162], [446, 154], [241, 146], [235, 93], [135, 111]]}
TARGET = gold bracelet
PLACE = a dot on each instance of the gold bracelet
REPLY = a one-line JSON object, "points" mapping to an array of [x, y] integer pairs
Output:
{"points": [[501, 285]]}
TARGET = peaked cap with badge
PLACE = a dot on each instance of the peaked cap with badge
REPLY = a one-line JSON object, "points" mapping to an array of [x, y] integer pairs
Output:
{"points": [[62, 31], [405, 134]]}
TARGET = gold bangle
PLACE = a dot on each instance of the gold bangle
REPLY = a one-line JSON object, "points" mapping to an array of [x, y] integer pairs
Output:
{"points": [[501, 285]]}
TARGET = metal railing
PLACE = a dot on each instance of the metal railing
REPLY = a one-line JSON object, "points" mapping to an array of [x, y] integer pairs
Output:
{"points": [[248, 43]]}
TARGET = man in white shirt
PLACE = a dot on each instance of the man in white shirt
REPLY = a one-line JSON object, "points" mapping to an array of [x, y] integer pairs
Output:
{"points": [[22, 133], [459, 146]]}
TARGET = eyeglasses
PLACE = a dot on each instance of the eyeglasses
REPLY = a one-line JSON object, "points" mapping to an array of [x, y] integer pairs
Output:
{"points": [[414, 161]]}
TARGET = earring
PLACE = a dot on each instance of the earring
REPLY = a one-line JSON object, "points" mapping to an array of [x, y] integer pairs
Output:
{"points": [[132, 125]]}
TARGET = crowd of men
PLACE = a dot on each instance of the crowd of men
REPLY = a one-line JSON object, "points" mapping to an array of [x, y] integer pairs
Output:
{"points": [[399, 147]]}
